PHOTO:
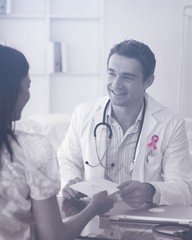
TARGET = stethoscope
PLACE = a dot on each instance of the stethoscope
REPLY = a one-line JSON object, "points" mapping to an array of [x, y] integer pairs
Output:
{"points": [[110, 133]]}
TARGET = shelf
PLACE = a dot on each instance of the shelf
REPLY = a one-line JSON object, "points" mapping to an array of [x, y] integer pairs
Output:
{"points": [[73, 74], [18, 16], [61, 40], [60, 74], [27, 7], [60, 17], [38, 74]]}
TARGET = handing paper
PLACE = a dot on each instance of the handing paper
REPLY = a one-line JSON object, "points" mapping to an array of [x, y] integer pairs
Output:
{"points": [[94, 186]]}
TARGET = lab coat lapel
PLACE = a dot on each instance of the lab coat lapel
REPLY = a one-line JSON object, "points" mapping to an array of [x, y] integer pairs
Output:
{"points": [[149, 121], [101, 132], [148, 125]]}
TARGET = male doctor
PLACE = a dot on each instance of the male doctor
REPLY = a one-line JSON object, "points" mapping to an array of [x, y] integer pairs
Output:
{"points": [[128, 137]]}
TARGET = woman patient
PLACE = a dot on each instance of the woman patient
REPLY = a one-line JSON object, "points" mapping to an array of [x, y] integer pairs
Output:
{"points": [[29, 178]]}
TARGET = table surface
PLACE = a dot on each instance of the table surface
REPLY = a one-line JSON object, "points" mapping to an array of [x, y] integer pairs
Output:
{"points": [[101, 228]]}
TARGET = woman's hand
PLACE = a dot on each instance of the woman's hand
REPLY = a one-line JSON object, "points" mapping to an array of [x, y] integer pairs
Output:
{"points": [[101, 202]]}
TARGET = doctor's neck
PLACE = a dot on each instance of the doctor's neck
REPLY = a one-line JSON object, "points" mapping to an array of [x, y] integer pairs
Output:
{"points": [[126, 115]]}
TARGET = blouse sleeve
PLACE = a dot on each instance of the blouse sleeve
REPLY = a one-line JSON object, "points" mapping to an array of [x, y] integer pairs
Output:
{"points": [[40, 162]]}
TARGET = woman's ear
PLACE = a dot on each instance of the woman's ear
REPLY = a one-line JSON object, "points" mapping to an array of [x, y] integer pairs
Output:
{"points": [[148, 81]]}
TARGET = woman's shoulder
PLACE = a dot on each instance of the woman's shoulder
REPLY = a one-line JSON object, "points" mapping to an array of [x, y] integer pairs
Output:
{"points": [[31, 138], [36, 154], [32, 145]]}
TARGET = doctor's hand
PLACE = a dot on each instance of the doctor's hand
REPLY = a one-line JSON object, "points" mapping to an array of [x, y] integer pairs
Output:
{"points": [[68, 193], [136, 193]]}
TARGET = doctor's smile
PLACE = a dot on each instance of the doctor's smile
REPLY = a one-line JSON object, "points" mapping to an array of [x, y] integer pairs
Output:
{"points": [[118, 93]]}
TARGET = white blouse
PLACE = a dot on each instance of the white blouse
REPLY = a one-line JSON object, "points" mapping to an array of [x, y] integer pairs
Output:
{"points": [[32, 174]]}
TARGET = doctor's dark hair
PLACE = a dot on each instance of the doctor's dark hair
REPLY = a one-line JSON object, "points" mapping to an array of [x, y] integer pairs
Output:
{"points": [[138, 51], [13, 68]]}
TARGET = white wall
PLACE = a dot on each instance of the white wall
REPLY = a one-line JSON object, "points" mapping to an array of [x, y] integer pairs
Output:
{"points": [[159, 24]]}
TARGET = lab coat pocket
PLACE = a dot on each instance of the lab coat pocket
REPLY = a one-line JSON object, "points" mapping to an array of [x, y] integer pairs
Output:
{"points": [[152, 159], [153, 166]]}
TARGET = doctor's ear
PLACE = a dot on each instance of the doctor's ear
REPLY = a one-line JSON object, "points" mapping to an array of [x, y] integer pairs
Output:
{"points": [[148, 81]]}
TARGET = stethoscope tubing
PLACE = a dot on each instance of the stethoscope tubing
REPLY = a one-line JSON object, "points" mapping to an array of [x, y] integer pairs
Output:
{"points": [[111, 133], [103, 122]]}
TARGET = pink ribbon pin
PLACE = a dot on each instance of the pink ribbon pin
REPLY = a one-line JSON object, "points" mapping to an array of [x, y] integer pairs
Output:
{"points": [[153, 142]]}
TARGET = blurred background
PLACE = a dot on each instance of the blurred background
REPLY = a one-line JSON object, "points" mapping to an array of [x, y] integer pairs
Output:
{"points": [[67, 43]]}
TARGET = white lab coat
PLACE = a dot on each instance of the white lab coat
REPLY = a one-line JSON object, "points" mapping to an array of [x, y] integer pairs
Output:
{"points": [[168, 168]]}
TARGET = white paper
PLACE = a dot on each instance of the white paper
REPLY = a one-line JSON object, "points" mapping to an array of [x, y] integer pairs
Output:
{"points": [[94, 186]]}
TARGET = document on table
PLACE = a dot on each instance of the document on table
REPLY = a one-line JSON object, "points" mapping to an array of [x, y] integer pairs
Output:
{"points": [[94, 186]]}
